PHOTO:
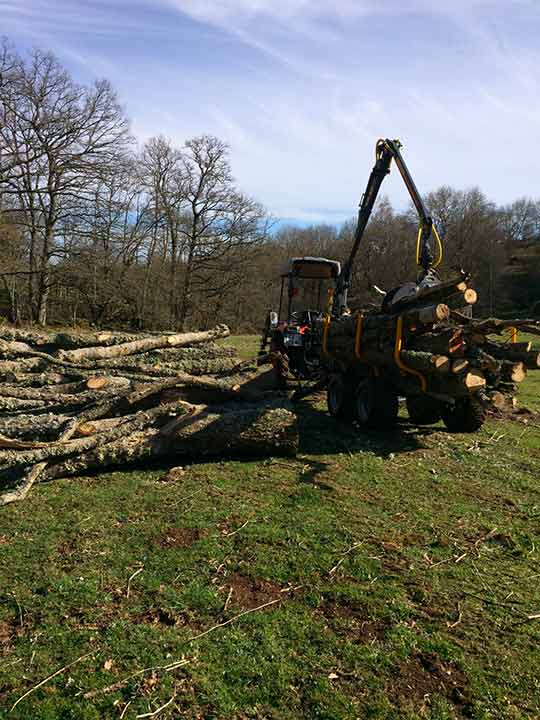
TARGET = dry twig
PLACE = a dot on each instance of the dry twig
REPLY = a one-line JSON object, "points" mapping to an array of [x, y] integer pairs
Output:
{"points": [[230, 534], [125, 709], [108, 689], [131, 577], [237, 617], [228, 600], [353, 547], [49, 677], [159, 709]]}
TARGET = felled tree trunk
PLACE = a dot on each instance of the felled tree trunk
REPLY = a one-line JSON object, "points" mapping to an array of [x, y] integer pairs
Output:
{"points": [[21, 365], [62, 392], [459, 385], [514, 372], [85, 429], [40, 380], [24, 487], [436, 293], [218, 390], [33, 427], [137, 422], [11, 404], [208, 351], [530, 359], [159, 369], [140, 346], [250, 431]]}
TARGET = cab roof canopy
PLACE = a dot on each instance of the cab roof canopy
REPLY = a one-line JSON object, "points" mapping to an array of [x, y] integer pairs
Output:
{"points": [[313, 268]]}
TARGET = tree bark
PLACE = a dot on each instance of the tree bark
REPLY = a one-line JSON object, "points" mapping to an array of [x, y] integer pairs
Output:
{"points": [[251, 432], [33, 427], [62, 449], [141, 346]]}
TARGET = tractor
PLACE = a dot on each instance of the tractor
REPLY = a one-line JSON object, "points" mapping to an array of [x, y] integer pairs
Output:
{"points": [[289, 337]]}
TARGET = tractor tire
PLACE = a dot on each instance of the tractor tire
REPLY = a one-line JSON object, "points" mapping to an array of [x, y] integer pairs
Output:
{"points": [[376, 406], [467, 415], [340, 398], [423, 410]]}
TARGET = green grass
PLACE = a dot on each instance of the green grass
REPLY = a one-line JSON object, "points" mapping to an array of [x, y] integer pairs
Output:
{"points": [[415, 558], [246, 346], [529, 391]]}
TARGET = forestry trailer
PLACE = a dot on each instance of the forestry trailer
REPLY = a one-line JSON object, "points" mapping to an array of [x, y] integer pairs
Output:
{"points": [[421, 344]]}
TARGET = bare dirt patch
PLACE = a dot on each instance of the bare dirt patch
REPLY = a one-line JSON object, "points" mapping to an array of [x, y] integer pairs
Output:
{"points": [[9, 630], [352, 621], [248, 592], [160, 616], [67, 553], [176, 537], [5, 636], [425, 675]]}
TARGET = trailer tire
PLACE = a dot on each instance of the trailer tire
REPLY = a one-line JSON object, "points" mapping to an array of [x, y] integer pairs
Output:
{"points": [[376, 405], [467, 415], [340, 397], [423, 410]]}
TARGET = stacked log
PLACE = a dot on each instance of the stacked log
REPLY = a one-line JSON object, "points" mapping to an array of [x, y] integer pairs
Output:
{"points": [[71, 403], [455, 354]]}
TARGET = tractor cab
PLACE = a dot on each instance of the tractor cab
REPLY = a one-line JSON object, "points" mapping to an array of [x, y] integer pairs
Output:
{"points": [[304, 289], [305, 284]]}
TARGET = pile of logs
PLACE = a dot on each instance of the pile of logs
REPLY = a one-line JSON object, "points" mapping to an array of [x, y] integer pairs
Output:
{"points": [[72, 403], [457, 355]]}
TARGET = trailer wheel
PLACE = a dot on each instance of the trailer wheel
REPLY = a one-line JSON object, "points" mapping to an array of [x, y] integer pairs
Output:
{"points": [[376, 405], [423, 410], [467, 415], [340, 398]]}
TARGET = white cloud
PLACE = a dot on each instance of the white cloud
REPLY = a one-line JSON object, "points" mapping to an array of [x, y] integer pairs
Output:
{"points": [[239, 12], [302, 88]]}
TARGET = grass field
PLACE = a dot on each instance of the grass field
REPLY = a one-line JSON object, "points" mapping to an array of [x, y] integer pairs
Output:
{"points": [[399, 574]]}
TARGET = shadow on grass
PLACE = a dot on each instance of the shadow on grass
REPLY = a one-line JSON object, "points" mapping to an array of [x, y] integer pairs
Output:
{"points": [[321, 434]]}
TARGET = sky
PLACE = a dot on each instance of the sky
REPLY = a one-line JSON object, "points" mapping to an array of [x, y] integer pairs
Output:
{"points": [[302, 89]]}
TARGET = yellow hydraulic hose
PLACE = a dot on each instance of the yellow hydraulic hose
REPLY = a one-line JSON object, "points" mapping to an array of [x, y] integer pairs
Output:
{"points": [[397, 355], [439, 246], [358, 335], [382, 141]]}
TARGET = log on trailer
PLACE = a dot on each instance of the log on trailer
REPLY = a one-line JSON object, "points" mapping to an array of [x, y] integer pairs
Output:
{"points": [[420, 345]]}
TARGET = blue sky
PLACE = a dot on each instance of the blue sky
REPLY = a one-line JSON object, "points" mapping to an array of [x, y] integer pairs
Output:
{"points": [[301, 89]]}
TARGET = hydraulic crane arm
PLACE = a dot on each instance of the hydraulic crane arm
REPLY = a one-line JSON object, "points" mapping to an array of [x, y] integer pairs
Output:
{"points": [[385, 152]]}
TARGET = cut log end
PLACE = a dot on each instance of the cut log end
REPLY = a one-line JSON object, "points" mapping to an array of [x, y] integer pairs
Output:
{"points": [[474, 380], [96, 383], [470, 296]]}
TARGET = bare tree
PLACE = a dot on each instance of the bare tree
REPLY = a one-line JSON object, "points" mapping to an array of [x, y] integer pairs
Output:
{"points": [[162, 171], [12, 262], [58, 138], [220, 222], [103, 240]]}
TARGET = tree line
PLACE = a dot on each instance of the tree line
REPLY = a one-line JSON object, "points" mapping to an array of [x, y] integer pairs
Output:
{"points": [[97, 229]]}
